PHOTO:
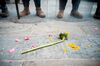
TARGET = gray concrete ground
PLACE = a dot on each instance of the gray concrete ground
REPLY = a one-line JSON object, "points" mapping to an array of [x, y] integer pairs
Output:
{"points": [[83, 32]]}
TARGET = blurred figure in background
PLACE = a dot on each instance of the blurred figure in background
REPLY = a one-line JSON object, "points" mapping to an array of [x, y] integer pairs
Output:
{"points": [[4, 10], [74, 12], [97, 13], [26, 11]]}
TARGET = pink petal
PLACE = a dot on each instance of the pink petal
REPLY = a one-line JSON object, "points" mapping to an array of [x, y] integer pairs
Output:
{"points": [[33, 46], [27, 38], [96, 28], [50, 35], [11, 50], [10, 61], [17, 40], [1, 50]]}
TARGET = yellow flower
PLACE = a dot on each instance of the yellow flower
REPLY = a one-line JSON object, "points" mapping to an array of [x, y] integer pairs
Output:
{"points": [[76, 47], [73, 46], [66, 33]]}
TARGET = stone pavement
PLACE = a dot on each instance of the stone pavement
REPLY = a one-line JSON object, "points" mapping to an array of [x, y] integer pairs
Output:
{"points": [[83, 32], [86, 35]]}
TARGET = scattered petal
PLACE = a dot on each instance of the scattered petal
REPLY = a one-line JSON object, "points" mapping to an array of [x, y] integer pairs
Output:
{"points": [[50, 35], [17, 40], [73, 46], [96, 28], [50, 38], [11, 50], [10, 61], [88, 46], [34, 45], [98, 49], [1, 50], [65, 50], [27, 38]]}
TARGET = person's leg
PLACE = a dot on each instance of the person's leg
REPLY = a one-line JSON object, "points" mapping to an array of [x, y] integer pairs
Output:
{"points": [[62, 5], [39, 11], [75, 6], [97, 13], [26, 3], [3, 8], [26, 8], [37, 3]]}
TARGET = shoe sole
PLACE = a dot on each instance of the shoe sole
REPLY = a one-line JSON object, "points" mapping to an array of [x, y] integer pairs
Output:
{"points": [[40, 16]]}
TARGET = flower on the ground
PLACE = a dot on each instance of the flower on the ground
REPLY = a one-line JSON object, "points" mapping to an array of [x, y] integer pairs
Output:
{"points": [[66, 33], [73, 46]]}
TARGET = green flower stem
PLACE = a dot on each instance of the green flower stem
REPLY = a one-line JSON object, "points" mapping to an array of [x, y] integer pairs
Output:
{"points": [[43, 46]]}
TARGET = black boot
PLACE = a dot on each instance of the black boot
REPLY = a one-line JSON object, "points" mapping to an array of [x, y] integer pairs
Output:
{"points": [[4, 10], [97, 13], [4, 13], [76, 14], [75, 6]]}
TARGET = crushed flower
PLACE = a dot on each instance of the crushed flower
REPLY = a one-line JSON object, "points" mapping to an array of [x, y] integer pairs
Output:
{"points": [[73, 46]]}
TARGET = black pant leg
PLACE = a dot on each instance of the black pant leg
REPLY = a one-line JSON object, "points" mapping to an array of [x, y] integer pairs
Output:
{"points": [[37, 3], [26, 3], [62, 4], [98, 8], [75, 5], [3, 5]]}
